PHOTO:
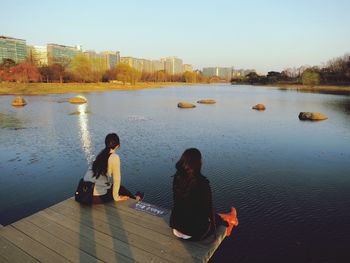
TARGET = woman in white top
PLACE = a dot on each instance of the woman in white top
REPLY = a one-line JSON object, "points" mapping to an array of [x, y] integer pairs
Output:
{"points": [[105, 173]]}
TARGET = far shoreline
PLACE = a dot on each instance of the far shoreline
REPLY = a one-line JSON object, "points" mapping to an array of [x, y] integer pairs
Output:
{"points": [[313, 88], [28, 89], [33, 89], [300, 87]]}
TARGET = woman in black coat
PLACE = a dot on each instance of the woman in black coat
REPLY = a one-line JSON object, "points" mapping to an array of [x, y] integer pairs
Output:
{"points": [[192, 216]]}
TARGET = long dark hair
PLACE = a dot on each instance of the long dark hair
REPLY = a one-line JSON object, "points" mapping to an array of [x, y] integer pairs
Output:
{"points": [[188, 168], [100, 165]]}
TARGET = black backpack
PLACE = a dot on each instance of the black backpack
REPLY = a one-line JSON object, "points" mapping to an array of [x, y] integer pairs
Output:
{"points": [[84, 192]]}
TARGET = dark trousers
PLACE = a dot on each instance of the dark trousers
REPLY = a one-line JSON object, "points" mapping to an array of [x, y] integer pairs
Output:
{"points": [[100, 199], [211, 229]]}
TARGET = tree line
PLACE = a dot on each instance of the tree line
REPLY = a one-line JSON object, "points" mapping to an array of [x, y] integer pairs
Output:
{"points": [[335, 72], [88, 70]]}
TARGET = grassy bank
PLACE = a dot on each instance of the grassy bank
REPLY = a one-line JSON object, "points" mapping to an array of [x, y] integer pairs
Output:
{"points": [[325, 88], [59, 88]]}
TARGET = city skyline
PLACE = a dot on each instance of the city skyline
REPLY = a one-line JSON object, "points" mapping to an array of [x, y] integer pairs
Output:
{"points": [[266, 36], [53, 53]]}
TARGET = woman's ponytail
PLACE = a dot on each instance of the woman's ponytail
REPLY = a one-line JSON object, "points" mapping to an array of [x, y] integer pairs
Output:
{"points": [[100, 165]]}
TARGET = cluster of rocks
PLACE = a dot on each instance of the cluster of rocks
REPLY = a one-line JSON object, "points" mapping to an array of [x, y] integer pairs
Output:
{"points": [[20, 102], [187, 105], [312, 116]]}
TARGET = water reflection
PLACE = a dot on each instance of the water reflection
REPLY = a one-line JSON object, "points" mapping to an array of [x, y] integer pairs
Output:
{"points": [[288, 175], [10, 121], [85, 137], [317, 91]]}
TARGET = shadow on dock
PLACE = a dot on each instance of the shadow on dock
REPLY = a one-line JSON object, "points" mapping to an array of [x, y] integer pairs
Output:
{"points": [[112, 232]]}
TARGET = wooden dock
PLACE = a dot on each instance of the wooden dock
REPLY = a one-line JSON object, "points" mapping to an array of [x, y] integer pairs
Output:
{"points": [[113, 232]]}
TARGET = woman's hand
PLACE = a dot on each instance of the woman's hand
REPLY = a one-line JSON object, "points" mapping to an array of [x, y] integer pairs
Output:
{"points": [[122, 198]]}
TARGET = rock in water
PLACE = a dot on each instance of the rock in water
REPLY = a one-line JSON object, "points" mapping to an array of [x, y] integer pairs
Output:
{"points": [[312, 116], [259, 107], [208, 101], [19, 102], [185, 105], [78, 100]]}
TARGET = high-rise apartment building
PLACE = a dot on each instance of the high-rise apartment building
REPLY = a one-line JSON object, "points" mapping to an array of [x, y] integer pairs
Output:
{"points": [[147, 66], [173, 65], [112, 58], [223, 73], [91, 54], [187, 67], [133, 62], [61, 54], [37, 55], [158, 65], [12, 48], [242, 72], [98, 61]]}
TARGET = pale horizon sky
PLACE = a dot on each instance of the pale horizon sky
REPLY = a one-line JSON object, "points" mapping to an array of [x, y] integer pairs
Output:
{"points": [[264, 35]]}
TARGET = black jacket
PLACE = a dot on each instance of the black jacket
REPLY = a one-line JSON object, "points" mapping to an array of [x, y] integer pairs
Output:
{"points": [[192, 213]]}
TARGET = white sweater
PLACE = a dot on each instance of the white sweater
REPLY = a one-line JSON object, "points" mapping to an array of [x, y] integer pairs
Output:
{"points": [[103, 183]]}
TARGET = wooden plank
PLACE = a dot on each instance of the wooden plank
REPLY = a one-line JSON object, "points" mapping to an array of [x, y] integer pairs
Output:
{"points": [[104, 233], [92, 216], [112, 232], [126, 206], [161, 226], [140, 219], [127, 214], [12, 253], [194, 250], [89, 215], [210, 244], [77, 240], [126, 227], [30, 246], [3, 260], [214, 243], [60, 247]]}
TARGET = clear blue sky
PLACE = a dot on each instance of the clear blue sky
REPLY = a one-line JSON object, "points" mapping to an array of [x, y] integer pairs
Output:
{"points": [[265, 35]]}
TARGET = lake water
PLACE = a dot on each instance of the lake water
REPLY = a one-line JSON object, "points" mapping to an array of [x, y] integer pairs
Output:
{"points": [[288, 179]]}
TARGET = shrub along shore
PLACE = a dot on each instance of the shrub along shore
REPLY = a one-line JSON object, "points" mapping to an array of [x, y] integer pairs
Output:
{"points": [[11, 88], [318, 88]]}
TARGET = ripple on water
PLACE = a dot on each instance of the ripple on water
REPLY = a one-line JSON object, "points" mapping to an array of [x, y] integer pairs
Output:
{"points": [[288, 180], [138, 118], [11, 122]]}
